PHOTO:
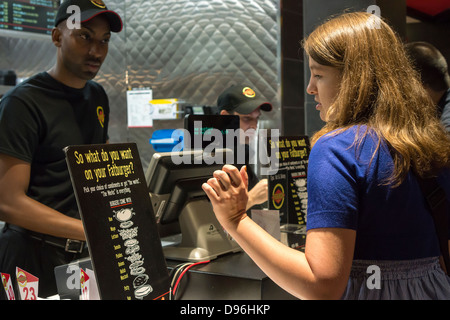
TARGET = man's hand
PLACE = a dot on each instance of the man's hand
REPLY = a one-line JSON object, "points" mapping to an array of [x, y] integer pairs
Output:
{"points": [[258, 194]]}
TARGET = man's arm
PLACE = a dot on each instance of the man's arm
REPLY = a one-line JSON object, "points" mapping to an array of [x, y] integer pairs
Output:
{"points": [[258, 194], [19, 209]]}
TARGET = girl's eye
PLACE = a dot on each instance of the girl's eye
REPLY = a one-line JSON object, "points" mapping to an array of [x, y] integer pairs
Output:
{"points": [[317, 76]]}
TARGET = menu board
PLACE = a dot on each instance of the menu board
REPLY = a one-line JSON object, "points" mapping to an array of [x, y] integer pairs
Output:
{"points": [[119, 222], [287, 184], [36, 16]]}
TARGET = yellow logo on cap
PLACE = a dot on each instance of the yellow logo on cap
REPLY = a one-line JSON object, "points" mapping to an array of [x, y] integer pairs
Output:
{"points": [[248, 92], [99, 3]]}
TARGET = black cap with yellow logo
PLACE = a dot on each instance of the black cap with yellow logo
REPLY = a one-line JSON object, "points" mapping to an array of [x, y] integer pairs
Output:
{"points": [[88, 10], [241, 99]]}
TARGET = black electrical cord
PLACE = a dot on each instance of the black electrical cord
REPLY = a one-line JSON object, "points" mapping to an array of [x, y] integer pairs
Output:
{"points": [[177, 273]]}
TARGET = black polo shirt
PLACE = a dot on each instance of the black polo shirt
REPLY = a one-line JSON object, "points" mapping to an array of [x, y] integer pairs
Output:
{"points": [[40, 117]]}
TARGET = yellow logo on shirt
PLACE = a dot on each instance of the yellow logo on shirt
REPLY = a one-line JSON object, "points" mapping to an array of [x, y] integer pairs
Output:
{"points": [[101, 116]]}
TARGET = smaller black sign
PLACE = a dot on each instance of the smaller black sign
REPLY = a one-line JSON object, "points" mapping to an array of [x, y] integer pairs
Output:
{"points": [[292, 153], [118, 219]]}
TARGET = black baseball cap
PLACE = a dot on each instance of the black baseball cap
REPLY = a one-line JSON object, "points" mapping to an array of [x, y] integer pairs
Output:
{"points": [[88, 10], [241, 99]]}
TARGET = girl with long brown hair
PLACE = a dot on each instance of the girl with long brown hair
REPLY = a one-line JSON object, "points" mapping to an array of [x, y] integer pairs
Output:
{"points": [[367, 218]]}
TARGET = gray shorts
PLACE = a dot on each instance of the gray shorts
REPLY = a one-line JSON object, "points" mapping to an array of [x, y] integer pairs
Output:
{"points": [[421, 279]]}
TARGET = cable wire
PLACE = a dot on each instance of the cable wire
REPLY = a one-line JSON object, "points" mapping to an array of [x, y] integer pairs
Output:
{"points": [[177, 274]]}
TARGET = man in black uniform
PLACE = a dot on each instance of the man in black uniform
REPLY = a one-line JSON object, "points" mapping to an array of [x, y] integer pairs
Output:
{"points": [[243, 101], [38, 118]]}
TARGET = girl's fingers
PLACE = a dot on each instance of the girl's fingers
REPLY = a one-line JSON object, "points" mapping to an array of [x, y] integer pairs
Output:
{"points": [[244, 176], [223, 178], [233, 174], [210, 191]]}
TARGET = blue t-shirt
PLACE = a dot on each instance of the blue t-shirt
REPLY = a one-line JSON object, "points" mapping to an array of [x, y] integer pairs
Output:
{"points": [[345, 190]]}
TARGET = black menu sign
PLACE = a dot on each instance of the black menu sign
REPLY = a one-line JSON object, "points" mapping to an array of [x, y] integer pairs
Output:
{"points": [[37, 16], [287, 184], [118, 219]]}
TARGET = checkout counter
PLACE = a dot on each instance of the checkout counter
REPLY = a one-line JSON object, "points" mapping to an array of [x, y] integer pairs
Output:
{"points": [[233, 276]]}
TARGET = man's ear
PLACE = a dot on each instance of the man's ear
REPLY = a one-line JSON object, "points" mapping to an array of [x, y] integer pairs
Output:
{"points": [[224, 113], [56, 36]]}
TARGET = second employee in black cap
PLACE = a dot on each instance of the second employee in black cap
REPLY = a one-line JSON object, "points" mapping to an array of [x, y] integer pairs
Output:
{"points": [[242, 100], [38, 118]]}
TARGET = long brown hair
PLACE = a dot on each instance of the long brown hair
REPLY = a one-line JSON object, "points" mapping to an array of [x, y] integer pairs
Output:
{"points": [[380, 89]]}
